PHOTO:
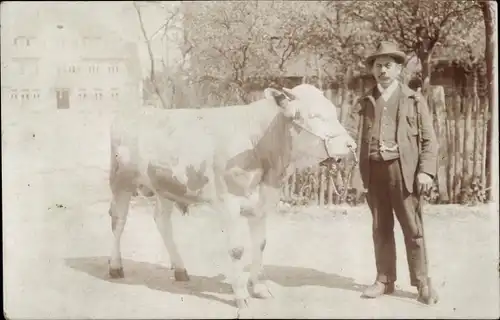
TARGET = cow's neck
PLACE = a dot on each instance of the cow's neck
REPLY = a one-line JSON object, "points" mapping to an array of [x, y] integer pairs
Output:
{"points": [[274, 149]]}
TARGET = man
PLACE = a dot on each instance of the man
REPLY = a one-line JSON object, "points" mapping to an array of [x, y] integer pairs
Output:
{"points": [[398, 160]]}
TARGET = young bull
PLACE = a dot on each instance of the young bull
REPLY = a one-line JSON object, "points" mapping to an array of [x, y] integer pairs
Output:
{"points": [[233, 159]]}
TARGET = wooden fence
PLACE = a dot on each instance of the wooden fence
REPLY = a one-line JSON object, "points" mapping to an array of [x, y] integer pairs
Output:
{"points": [[459, 119], [460, 124]]}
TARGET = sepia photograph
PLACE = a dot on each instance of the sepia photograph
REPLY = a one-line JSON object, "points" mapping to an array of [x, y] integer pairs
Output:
{"points": [[250, 159]]}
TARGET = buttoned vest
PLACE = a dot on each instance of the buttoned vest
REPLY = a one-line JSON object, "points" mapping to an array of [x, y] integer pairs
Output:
{"points": [[383, 144]]}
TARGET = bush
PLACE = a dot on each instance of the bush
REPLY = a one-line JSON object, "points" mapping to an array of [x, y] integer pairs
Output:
{"points": [[473, 193]]}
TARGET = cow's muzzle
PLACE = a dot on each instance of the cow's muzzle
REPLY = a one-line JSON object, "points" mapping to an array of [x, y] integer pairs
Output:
{"points": [[330, 161], [336, 159]]}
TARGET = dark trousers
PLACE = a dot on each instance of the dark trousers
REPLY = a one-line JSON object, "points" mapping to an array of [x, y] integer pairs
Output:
{"points": [[387, 194]]}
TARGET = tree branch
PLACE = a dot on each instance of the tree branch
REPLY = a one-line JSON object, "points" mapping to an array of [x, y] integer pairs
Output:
{"points": [[151, 56], [408, 43], [165, 26]]}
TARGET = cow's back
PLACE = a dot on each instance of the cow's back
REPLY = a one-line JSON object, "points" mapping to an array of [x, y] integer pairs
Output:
{"points": [[179, 140], [164, 130]]}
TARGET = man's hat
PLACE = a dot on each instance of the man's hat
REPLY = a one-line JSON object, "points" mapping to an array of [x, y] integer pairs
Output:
{"points": [[387, 48]]}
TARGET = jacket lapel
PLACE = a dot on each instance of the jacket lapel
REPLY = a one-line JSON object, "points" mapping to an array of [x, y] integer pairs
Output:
{"points": [[403, 105], [369, 111]]}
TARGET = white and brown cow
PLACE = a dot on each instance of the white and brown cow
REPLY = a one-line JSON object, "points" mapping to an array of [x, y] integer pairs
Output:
{"points": [[233, 159]]}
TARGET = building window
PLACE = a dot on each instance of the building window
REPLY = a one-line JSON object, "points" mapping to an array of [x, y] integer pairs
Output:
{"points": [[13, 94], [113, 69], [115, 93], [25, 94], [19, 41], [82, 94], [98, 94], [36, 94], [94, 69]]}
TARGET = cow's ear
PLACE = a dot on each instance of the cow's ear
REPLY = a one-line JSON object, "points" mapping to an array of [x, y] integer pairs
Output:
{"points": [[283, 101], [275, 95], [289, 93]]}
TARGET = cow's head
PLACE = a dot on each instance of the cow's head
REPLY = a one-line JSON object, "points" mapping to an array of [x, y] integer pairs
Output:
{"points": [[317, 134]]}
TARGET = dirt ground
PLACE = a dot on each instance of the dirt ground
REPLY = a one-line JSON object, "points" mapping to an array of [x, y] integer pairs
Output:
{"points": [[57, 239]]}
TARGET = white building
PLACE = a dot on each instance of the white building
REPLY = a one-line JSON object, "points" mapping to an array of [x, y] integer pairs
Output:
{"points": [[59, 56]]}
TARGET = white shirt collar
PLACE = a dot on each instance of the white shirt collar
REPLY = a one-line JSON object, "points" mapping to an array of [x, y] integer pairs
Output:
{"points": [[386, 93]]}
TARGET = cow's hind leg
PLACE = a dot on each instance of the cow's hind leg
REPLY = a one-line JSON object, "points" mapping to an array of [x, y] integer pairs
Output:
{"points": [[163, 219], [257, 226], [118, 212]]}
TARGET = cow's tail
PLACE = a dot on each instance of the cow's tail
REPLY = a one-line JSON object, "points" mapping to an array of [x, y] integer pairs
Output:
{"points": [[113, 161], [122, 171]]}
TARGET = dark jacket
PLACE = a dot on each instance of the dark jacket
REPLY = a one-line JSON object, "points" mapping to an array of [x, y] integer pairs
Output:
{"points": [[411, 104]]}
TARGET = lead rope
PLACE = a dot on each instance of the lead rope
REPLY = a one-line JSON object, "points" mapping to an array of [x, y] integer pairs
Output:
{"points": [[355, 162], [346, 188]]}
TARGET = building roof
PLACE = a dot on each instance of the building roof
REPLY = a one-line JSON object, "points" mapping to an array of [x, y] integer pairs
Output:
{"points": [[74, 22], [46, 18], [75, 15]]}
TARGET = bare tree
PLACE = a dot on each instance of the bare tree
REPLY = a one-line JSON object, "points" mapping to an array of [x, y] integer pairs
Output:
{"points": [[418, 26], [157, 84], [236, 43]]}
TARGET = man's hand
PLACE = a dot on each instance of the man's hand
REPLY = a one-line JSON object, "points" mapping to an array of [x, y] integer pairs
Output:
{"points": [[424, 182]]}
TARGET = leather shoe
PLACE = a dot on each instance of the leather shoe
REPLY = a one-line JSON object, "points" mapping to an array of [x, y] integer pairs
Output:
{"points": [[426, 294], [377, 289]]}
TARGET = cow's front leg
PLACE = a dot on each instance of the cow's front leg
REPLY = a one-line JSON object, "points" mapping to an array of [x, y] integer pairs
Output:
{"points": [[269, 198], [234, 230], [257, 226]]}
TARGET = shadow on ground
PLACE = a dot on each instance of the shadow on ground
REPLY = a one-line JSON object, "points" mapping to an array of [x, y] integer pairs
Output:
{"points": [[160, 278], [298, 276], [156, 277]]}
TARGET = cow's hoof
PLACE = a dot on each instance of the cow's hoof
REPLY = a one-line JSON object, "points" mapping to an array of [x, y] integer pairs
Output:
{"points": [[244, 314], [181, 275], [242, 303], [116, 273], [242, 306], [260, 291]]}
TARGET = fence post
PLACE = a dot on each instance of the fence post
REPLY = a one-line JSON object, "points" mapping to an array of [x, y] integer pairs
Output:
{"points": [[456, 154], [321, 170], [293, 187], [330, 185]]}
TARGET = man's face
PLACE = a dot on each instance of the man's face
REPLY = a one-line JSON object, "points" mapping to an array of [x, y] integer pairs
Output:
{"points": [[385, 70]]}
